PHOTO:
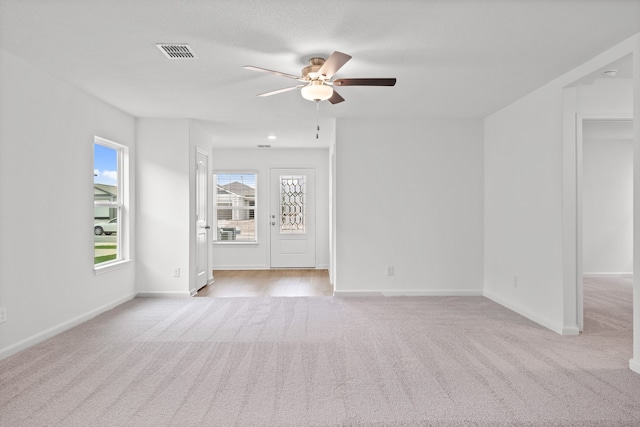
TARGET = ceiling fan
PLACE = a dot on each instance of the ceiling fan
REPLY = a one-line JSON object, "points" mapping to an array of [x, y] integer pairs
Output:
{"points": [[316, 77]]}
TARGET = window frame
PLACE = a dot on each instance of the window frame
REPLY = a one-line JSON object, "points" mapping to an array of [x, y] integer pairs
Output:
{"points": [[121, 205], [247, 208]]}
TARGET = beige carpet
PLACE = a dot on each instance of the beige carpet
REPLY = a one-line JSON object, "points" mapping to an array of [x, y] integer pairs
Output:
{"points": [[441, 361]]}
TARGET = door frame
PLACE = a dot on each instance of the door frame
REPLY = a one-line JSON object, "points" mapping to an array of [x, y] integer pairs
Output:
{"points": [[580, 121], [273, 209], [207, 221]]}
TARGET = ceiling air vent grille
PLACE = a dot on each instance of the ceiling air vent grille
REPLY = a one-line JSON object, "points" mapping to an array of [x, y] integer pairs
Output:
{"points": [[177, 51]]}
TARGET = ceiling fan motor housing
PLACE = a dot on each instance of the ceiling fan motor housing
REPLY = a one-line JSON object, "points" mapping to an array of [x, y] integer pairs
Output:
{"points": [[310, 71]]}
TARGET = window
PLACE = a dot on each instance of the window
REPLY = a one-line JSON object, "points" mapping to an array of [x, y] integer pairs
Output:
{"points": [[292, 204], [235, 207], [109, 201]]}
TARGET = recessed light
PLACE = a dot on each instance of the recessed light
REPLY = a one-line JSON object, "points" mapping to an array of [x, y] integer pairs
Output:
{"points": [[610, 73], [272, 137]]}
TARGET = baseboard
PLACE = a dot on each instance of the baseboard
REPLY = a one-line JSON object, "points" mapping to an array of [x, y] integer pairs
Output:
{"points": [[570, 331], [357, 294], [265, 267], [634, 365], [623, 275], [163, 294], [64, 326], [412, 293], [543, 321]]}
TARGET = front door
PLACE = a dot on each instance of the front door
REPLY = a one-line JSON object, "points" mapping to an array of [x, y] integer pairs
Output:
{"points": [[293, 218], [202, 211]]}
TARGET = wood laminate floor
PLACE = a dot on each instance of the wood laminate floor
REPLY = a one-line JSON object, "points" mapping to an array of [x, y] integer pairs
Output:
{"points": [[264, 283]]}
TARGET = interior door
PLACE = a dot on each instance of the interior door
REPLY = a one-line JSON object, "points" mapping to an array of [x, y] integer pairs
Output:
{"points": [[293, 218], [202, 213]]}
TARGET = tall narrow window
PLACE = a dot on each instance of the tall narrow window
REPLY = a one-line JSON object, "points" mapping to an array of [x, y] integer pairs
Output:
{"points": [[292, 204], [108, 200], [235, 207]]}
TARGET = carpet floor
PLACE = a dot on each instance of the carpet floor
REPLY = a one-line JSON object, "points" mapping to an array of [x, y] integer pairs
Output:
{"points": [[324, 361]]}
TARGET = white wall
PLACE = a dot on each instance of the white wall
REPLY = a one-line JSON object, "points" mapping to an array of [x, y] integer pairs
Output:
{"points": [[409, 195], [607, 201], [523, 207], [530, 200], [163, 232], [634, 363], [166, 205], [47, 129], [256, 256], [605, 97]]}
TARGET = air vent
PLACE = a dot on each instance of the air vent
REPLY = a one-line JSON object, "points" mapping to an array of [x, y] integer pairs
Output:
{"points": [[264, 146], [177, 51]]}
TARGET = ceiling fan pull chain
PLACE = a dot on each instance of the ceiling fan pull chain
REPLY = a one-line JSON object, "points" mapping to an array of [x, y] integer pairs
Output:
{"points": [[317, 119]]}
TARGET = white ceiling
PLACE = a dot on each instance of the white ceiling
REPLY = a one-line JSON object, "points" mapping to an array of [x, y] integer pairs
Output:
{"points": [[452, 59]]}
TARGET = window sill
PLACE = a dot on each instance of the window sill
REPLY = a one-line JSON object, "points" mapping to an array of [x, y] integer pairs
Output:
{"points": [[116, 265]]}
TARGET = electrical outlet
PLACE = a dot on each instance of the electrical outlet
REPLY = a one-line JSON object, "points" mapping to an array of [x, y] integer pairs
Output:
{"points": [[3, 314], [176, 271], [390, 270]]}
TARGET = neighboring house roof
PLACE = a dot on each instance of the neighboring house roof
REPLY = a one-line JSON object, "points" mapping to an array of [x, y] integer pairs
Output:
{"points": [[238, 189], [102, 189]]}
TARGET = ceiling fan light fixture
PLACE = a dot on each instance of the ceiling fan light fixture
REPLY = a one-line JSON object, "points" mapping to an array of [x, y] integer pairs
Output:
{"points": [[317, 91], [317, 79]]}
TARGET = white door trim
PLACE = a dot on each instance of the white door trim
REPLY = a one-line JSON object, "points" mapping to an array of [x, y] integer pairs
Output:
{"points": [[579, 147], [201, 218]]}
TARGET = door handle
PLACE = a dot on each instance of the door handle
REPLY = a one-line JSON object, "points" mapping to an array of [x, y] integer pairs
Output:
{"points": [[273, 223], [206, 227]]}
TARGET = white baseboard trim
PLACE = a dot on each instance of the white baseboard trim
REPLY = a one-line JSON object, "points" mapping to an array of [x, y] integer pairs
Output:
{"points": [[412, 293], [543, 321], [357, 294], [634, 365], [623, 275], [264, 267], [570, 331], [64, 326], [163, 294]]}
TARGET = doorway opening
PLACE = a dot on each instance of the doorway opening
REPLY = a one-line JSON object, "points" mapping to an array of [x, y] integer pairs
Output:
{"points": [[605, 218]]}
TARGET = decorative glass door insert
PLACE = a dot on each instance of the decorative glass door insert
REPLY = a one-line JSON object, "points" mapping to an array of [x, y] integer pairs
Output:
{"points": [[292, 204]]}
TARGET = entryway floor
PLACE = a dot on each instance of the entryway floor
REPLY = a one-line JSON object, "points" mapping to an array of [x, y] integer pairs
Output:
{"points": [[268, 283]]}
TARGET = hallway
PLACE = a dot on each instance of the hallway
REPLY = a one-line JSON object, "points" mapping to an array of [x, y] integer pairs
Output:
{"points": [[268, 283]]}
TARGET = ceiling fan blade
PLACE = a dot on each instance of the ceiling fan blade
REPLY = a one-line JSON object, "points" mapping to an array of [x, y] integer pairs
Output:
{"points": [[277, 73], [286, 89], [365, 82], [334, 63], [335, 98]]}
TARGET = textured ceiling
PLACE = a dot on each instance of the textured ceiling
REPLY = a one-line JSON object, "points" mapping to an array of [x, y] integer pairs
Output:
{"points": [[452, 59]]}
